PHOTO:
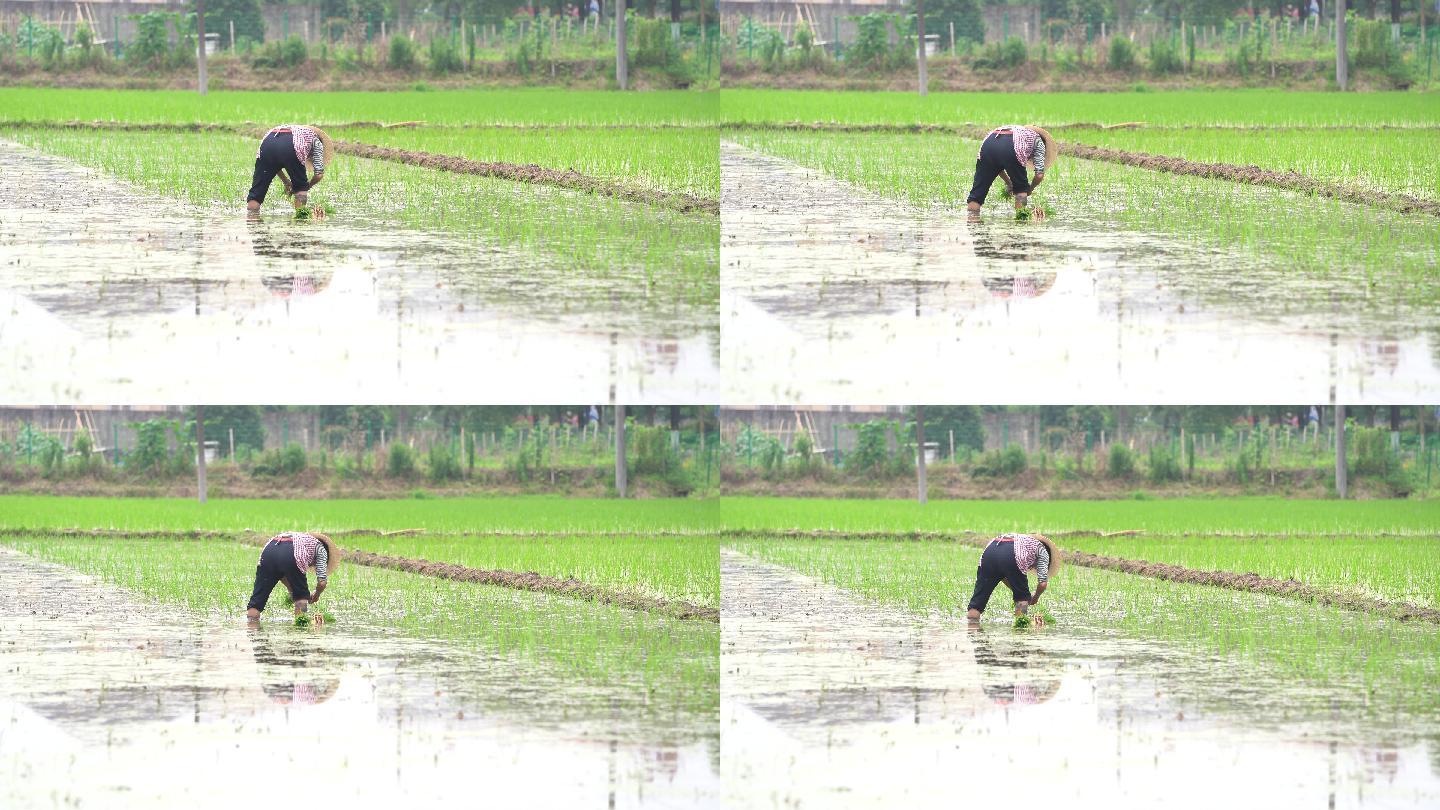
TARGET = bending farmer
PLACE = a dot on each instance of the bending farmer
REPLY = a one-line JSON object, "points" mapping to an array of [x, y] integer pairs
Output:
{"points": [[1007, 559], [1004, 153], [287, 557], [289, 151]]}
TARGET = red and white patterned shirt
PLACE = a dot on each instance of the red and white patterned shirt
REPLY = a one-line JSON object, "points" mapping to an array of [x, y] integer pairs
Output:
{"points": [[1029, 146], [308, 146], [1030, 554], [308, 551]]}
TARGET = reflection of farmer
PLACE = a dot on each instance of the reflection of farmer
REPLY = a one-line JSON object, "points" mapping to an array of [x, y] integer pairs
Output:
{"points": [[1004, 153], [289, 151], [286, 557], [1007, 559], [999, 674], [296, 286], [283, 671], [1006, 254]]}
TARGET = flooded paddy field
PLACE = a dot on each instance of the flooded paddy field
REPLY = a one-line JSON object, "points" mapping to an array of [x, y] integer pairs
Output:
{"points": [[139, 261], [852, 679], [137, 681], [852, 270]]}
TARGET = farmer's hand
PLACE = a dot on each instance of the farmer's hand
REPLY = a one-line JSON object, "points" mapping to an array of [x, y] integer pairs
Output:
{"points": [[1039, 178], [316, 180]]}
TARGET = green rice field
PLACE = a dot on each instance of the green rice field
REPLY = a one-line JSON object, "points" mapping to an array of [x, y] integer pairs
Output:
{"points": [[1238, 517]]}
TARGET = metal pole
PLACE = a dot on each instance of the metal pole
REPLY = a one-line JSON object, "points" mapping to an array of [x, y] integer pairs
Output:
{"points": [[200, 60], [620, 470], [924, 81], [622, 66], [200, 446], [920, 447], [1341, 484], [1342, 67]]}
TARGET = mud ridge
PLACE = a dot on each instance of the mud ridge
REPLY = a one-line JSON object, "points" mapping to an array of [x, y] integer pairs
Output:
{"points": [[523, 581], [1252, 175], [1254, 583], [249, 126], [532, 173], [514, 172], [977, 130], [1250, 582], [962, 536], [198, 534]]}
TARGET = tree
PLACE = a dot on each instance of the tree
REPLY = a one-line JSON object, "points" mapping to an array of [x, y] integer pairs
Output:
{"points": [[220, 13], [620, 468]]}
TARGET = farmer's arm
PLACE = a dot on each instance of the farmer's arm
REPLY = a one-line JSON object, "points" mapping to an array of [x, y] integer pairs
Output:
{"points": [[1042, 572], [285, 178], [315, 181], [1039, 178], [322, 570], [1039, 589], [1009, 186]]}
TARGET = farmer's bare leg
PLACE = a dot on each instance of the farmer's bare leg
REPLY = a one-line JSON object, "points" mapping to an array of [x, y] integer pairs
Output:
{"points": [[252, 614], [252, 205], [300, 198], [1021, 607], [973, 615], [1021, 199], [302, 606]]}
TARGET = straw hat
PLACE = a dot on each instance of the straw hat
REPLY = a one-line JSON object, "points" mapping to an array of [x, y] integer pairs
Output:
{"points": [[330, 147], [1051, 152]]}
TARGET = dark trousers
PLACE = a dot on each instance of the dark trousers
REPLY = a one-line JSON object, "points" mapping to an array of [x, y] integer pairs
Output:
{"points": [[277, 151], [277, 562], [997, 154], [998, 564]]}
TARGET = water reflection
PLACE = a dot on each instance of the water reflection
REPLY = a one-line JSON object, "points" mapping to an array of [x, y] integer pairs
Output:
{"points": [[107, 292], [832, 701], [834, 294], [106, 700]]}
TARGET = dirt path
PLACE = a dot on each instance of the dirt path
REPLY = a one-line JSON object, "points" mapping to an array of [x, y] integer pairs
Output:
{"points": [[514, 172], [1251, 582], [1253, 175]]}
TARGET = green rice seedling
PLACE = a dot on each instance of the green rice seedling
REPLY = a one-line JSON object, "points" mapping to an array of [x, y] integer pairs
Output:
{"points": [[681, 160], [476, 106], [1191, 107], [1022, 622], [516, 514], [1315, 656], [657, 666], [1172, 516], [303, 620], [934, 170], [1350, 156], [657, 257]]}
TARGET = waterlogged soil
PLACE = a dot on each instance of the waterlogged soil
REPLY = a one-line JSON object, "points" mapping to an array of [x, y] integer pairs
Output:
{"points": [[839, 702], [106, 700], [113, 295], [832, 293]]}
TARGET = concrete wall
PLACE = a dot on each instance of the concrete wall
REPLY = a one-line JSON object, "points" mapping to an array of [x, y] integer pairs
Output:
{"points": [[824, 17], [109, 17]]}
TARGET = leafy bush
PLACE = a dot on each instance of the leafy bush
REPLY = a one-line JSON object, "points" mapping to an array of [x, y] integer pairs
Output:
{"points": [[152, 447], [804, 449], [401, 461], [1163, 465], [1122, 54], [872, 449], [997, 55], [402, 53], [287, 54], [1373, 47], [1121, 462], [1006, 463], [1165, 57], [444, 56], [287, 461], [871, 48], [442, 465]]}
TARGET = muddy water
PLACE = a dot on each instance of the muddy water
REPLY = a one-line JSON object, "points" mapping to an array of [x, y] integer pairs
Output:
{"points": [[830, 701], [831, 293], [110, 295], [106, 701]]}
